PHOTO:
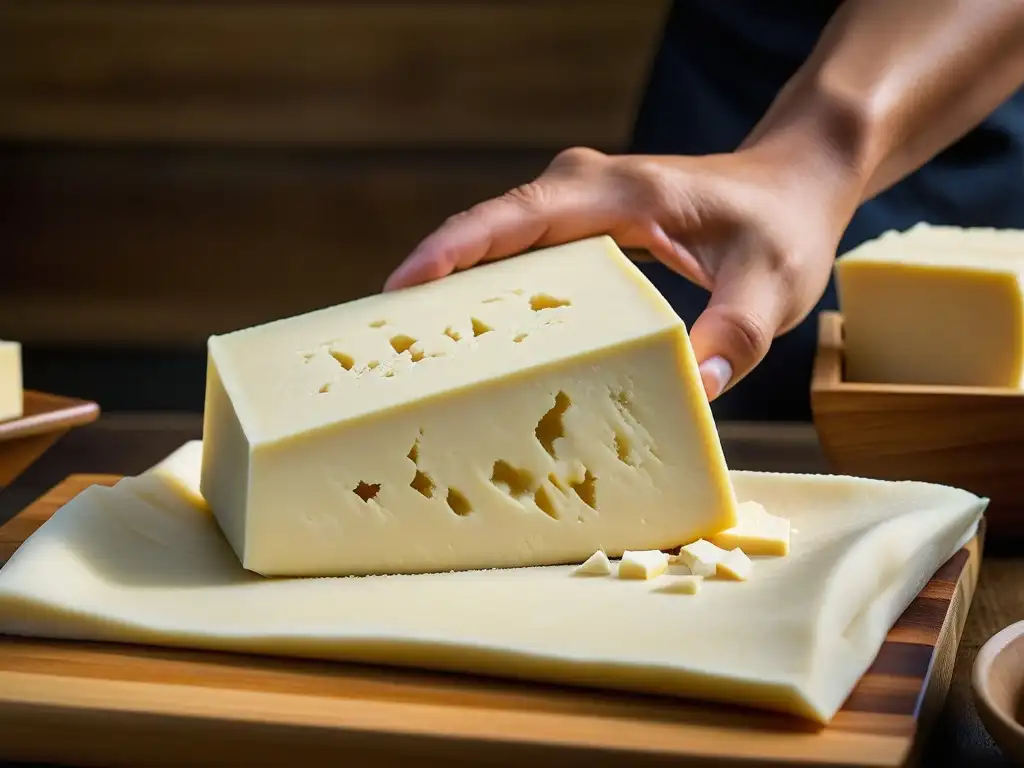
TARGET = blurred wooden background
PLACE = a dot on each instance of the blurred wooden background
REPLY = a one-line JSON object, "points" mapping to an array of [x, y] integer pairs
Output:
{"points": [[172, 170]]}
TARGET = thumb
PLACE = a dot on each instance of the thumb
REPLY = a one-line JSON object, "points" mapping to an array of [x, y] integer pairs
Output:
{"points": [[735, 331]]}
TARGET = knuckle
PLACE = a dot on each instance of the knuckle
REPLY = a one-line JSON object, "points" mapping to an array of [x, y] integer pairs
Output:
{"points": [[575, 157], [643, 183], [750, 331], [530, 195], [787, 268], [460, 218]]}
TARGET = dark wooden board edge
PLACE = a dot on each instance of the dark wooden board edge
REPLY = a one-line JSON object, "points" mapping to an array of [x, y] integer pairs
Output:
{"points": [[46, 412], [924, 639]]}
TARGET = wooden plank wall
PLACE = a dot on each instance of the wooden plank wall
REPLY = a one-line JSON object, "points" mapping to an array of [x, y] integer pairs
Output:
{"points": [[171, 170]]}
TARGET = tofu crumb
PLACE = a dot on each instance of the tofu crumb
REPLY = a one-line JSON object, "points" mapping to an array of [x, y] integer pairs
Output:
{"points": [[597, 564], [701, 557], [642, 565], [683, 585], [735, 565], [756, 532]]}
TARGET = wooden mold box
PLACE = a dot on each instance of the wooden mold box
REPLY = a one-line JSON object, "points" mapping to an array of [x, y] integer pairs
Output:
{"points": [[45, 419], [965, 437], [121, 705]]}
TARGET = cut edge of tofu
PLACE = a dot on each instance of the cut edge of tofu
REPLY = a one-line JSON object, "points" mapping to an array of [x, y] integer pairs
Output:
{"points": [[643, 564], [689, 584], [597, 564], [735, 566]]}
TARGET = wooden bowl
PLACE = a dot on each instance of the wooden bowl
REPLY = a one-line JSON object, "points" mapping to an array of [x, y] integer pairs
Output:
{"points": [[966, 437], [46, 418], [998, 682]]}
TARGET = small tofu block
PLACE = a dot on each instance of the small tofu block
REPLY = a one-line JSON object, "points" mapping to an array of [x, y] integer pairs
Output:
{"points": [[934, 305], [11, 394], [701, 557], [735, 565], [683, 585], [642, 565], [597, 564], [496, 418], [756, 533]]}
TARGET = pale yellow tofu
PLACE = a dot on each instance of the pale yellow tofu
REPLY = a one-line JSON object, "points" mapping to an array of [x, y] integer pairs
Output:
{"points": [[756, 532], [597, 564], [642, 565], [683, 585], [701, 557], [735, 565]]}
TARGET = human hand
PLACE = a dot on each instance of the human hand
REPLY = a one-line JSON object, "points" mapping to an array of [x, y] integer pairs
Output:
{"points": [[759, 230]]}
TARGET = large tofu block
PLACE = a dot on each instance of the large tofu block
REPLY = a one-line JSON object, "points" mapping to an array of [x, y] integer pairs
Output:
{"points": [[935, 305], [525, 412], [11, 394]]}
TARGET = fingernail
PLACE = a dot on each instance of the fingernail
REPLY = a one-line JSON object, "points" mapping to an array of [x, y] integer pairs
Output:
{"points": [[715, 373]]}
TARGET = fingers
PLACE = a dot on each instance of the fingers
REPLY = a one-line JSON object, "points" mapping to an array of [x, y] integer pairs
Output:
{"points": [[572, 200], [545, 212], [470, 237], [735, 331]]}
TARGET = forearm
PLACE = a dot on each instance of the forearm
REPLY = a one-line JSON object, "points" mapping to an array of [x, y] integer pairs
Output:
{"points": [[891, 83]]}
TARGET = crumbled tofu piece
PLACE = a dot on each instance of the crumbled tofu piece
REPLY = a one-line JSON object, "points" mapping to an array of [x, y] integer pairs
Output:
{"points": [[647, 564], [756, 532], [597, 564], [683, 585], [735, 565], [701, 557]]}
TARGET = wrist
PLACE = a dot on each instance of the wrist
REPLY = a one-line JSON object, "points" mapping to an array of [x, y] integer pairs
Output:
{"points": [[822, 132]]}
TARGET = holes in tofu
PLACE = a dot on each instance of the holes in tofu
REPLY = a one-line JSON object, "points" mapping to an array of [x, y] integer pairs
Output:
{"points": [[517, 323], [550, 427], [545, 503], [458, 503], [421, 481], [343, 359], [423, 484], [624, 449], [366, 491], [633, 445], [520, 484], [400, 343], [586, 489], [517, 483], [624, 403], [542, 301]]}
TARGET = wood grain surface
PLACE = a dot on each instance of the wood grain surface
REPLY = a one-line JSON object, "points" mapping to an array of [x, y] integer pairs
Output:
{"points": [[966, 437], [173, 170], [125, 705], [336, 73], [45, 419], [163, 247]]}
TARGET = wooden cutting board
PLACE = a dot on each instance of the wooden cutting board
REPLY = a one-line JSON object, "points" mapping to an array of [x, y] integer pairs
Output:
{"points": [[45, 419], [92, 703]]}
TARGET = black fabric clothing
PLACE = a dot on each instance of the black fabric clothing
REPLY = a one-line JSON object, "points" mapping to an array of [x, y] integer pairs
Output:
{"points": [[719, 66]]}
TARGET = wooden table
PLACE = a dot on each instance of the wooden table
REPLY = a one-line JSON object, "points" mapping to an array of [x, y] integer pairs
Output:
{"points": [[128, 444]]}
